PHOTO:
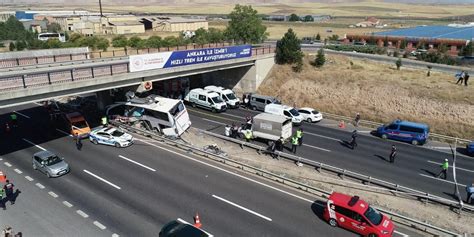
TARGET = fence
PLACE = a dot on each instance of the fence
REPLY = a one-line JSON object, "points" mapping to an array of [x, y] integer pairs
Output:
{"points": [[280, 178]]}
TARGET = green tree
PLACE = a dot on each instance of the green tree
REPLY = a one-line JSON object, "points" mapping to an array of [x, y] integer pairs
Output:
{"points": [[170, 41], [53, 44], [54, 27], [467, 50], [103, 44], [294, 17], [154, 42], [320, 58], [429, 71], [403, 44], [245, 26], [216, 35], [318, 36], [398, 63], [442, 48], [333, 37], [12, 47], [385, 41], [136, 42], [308, 18], [120, 41], [288, 50], [201, 36]]}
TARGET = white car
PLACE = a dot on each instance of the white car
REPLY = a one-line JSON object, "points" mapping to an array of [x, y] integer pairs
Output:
{"points": [[111, 136], [310, 115]]}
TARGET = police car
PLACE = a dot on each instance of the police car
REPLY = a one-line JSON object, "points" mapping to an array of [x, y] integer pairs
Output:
{"points": [[111, 136]]}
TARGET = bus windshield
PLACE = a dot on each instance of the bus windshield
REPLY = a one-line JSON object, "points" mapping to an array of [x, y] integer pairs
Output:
{"points": [[177, 109]]}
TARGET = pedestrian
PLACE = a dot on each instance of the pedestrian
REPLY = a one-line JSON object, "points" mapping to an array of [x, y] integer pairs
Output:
{"points": [[357, 120], [8, 187], [279, 144], [294, 143], [271, 149], [460, 77], [444, 169], [299, 135], [2, 204], [249, 98], [393, 154], [104, 121], [248, 135], [14, 120], [227, 130], [245, 100], [470, 193], [353, 141], [248, 122], [78, 141], [466, 78]]}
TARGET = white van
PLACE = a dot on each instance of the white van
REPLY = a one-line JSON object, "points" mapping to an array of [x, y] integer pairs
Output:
{"points": [[206, 99], [226, 94], [286, 111]]}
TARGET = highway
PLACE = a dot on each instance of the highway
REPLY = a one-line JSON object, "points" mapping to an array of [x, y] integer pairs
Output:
{"points": [[415, 167], [134, 191]]}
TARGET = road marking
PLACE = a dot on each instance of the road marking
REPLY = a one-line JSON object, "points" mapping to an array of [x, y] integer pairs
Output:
{"points": [[29, 178], [53, 194], [81, 213], [39, 185], [439, 147], [315, 147], [102, 179], [212, 121], [7, 164], [400, 233], [67, 204], [231, 173], [317, 135], [115, 235], [98, 224], [447, 181], [18, 171], [458, 168], [241, 207], [24, 115], [1, 158], [137, 163], [41, 148], [63, 132]]}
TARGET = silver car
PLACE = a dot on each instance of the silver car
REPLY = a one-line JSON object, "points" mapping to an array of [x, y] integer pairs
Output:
{"points": [[50, 164]]}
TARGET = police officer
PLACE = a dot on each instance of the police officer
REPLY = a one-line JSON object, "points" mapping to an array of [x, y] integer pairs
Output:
{"points": [[299, 135], [353, 142], [470, 193], [294, 143], [279, 144], [104, 122], [444, 169], [78, 141], [248, 135], [393, 153], [8, 187]]}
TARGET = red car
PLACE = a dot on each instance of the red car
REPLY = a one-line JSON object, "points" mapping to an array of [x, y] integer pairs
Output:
{"points": [[356, 215]]}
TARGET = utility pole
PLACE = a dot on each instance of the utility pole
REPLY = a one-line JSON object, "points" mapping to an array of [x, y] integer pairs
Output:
{"points": [[100, 7], [456, 186]]}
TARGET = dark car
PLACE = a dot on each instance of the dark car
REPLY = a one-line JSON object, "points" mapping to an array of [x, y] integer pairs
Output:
{"points": [[180, 228]]}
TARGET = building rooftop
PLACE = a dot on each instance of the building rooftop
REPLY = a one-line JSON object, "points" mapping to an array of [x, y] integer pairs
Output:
{"points": [[434, 32], [173, 19], [126, 23]]}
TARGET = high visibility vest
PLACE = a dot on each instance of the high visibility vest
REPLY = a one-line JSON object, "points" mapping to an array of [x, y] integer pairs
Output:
{"points": [[445, 165], [294, 140], [299, 134], [104, 120], [13, 116], [248, 135]]}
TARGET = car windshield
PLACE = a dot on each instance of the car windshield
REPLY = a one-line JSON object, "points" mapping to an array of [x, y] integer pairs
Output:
{"points": [[231, 96], [294, 112], [217, 99], [53, 160], [373, 216], [80, 124], [315, 112], [117, 133]]}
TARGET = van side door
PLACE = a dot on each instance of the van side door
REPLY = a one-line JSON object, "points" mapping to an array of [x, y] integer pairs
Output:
{"points": [[344, 217], [202, 101], [392, 131]]}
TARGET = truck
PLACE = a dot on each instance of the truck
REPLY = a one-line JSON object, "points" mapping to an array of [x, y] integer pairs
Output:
{"points": [[271, 127]]}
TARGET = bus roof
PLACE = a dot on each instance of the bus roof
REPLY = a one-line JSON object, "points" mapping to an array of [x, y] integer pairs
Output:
{"points": [[161, 104]]}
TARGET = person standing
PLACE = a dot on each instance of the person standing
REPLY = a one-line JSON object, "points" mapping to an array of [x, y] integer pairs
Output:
{"points": [[279, 144], [466, 78], [78, 141], [444, 169], [8, 187], [461, 77], [294, 143], [103, 121], [393, 154], [299, 135], [357, 120], [227, 130], [470, 193], [248, 135], [14, 120], [353, 142], [2, 204]]}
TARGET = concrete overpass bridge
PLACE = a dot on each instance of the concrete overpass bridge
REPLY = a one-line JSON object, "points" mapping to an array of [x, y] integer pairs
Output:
{"points": [[34, 83]]}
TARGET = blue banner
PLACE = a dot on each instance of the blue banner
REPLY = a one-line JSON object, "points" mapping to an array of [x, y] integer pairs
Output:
{"points": [[189, 57]]}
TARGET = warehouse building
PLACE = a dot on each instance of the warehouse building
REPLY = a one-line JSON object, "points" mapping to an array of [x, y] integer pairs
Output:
{"points": [[174, 24]]}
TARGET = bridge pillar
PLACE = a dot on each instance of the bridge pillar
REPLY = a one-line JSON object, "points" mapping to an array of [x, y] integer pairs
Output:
{"points": [[103, 99], [255, 75]]}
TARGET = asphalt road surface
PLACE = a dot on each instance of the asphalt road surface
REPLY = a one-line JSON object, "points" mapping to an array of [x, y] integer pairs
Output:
{"points": [[134, 191], [415, 166]]}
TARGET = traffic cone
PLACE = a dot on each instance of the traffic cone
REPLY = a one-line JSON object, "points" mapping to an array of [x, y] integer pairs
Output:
{"points": [[3, 177], [197, 221], [7, 127], [342, 124]]}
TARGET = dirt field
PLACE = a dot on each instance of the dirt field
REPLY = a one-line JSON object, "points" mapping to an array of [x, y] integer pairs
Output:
{"points": [[431, 213], [379, 92]]}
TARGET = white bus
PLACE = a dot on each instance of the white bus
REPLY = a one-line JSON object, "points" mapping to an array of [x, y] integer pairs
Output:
{"points": [[164, 115], [46, 36]]}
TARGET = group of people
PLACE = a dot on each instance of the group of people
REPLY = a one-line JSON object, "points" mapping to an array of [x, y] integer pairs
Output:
{"points": [[462, 77]]}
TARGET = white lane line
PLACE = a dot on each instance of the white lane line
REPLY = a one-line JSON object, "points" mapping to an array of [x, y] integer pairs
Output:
{"points": [[67, 204], [115, 235], [18, 171], [54, 195], [39, 185], [7, 164], [447, 181], [81, 213], [458, 168], [212, 121], [1, 158], [439, 147], [98, 224], [230, 172], [400, 233], [317, 135], [41, 148], [241, 207], [63, 132], [37, 103], [137, 163], [315, 147], [29, 178], [24, 115], [102, 179]]}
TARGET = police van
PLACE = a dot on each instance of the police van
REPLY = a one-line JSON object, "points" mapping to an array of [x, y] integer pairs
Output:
{"points": [[415, 133], [226, 94], [205, 99], [284, 110]]}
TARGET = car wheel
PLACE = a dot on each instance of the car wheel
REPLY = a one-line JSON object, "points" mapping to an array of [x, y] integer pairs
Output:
{"points": [[95, 142], [117, 145], [47, 174], [414, 142], [214, 110], [193, 105], [333, 222], [309, 120], [254, 107], [384, 136], [373, 235], [34, 167]]}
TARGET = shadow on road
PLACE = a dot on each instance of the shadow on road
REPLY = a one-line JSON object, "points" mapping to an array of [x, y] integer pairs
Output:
{"points": [[318, 207], [429, 172], [381, 157]]}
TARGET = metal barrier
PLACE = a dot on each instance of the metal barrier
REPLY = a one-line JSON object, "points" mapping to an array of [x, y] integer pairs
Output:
{"points": [[279, 178]]}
